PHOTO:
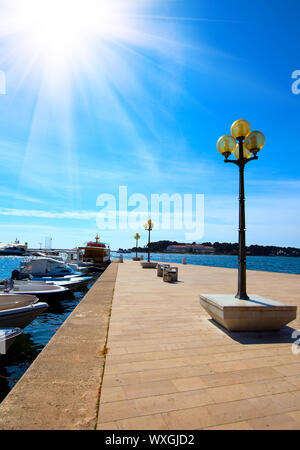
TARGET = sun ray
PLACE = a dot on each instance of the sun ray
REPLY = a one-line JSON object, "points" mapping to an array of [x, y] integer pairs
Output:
{"points": [[102, 55]]}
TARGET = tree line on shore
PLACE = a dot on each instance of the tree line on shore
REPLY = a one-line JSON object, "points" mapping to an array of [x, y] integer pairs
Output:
{"points": [[225, 248]]}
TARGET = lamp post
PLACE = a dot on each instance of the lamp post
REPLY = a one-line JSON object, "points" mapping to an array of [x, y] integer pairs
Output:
{"points": [[149, 227], [243, 143], [136, 237]]}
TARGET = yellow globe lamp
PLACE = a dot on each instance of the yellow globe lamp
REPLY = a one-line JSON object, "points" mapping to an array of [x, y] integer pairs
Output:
{"points": [[149, 224], [246, 153], [240, 129], [255, 141], [226, 145]]}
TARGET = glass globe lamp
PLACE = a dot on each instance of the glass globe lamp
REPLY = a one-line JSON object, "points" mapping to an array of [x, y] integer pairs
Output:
{"points": [[255, 141], [240, 129], [246, 152], [226, 145]]}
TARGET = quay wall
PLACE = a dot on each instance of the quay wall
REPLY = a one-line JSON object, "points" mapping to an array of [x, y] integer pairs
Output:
{"points": [[61, 389]]}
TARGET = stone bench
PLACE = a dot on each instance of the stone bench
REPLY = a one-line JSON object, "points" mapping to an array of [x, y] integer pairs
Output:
{"points": [[161, 268], [170, 274]]}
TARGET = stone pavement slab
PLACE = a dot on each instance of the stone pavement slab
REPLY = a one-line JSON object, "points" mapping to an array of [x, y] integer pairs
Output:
{"points": [[170, 367]]}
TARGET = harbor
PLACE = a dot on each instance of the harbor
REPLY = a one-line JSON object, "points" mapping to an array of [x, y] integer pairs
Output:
{"points": [[37, 293], [149, 237], [143, 354]]}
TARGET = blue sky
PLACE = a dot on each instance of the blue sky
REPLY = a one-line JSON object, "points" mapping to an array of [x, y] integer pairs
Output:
{"points": [[137, 97]]}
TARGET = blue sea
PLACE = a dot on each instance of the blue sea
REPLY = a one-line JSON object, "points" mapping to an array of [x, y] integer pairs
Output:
{"points": [[27, 346], [36, 335], [262, 263]]}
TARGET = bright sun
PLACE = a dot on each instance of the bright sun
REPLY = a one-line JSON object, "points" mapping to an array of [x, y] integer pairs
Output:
{"points": [[60, 29], [57, 45], [70, 60]]}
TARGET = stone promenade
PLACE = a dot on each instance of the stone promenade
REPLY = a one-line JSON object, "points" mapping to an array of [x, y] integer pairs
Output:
{"points": [[169, 367], [140, 354]]}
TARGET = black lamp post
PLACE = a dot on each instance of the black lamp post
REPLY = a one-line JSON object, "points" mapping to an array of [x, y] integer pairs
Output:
{"points": [[136, 237], [149, 227], [242, 143]]}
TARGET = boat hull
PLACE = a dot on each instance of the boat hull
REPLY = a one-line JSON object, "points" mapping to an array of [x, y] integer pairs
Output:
{"points": [[7, 337], [75, 284], [40, 290], [13, 253], [21, 317], [99, 256], [70, 283], [18, 311]]}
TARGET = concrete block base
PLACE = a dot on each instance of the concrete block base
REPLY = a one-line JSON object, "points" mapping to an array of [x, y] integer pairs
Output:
{"points": [[256, 314], [148, 265]]}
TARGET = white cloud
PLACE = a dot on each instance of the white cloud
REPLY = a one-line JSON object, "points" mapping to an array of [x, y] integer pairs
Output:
{"points": [[82, 215], [18, 196]]}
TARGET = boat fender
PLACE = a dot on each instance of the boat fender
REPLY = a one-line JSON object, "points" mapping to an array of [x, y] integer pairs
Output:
{"points": [[15, 275], [8, 285]]}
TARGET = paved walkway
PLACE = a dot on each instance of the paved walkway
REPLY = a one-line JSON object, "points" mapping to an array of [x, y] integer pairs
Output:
{"points": [[169, 367], [60, 390]]}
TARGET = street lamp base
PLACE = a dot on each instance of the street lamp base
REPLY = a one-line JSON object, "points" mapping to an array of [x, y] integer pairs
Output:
{"points": [[242, 296], [256, 314], [149, 265]]}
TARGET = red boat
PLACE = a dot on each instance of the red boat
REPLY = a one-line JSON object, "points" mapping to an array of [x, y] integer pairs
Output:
{"points": [[96, 252]]}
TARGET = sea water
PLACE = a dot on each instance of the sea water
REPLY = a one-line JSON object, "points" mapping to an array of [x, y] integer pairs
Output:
{"points": [[27, 346], [262, 263]]}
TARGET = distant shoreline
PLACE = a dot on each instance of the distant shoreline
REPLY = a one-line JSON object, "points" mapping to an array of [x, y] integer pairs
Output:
{"points": [[208, 254]]}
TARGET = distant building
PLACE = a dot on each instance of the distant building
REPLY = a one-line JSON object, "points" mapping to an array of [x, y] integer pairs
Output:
{"points": [[48, 243], [190, 248], [281, 253]]}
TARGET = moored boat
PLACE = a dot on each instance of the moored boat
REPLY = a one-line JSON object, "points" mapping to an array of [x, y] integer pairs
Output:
{"points": [[77, 267], [18, 311], [14, 249], [41, 290], [71, 283], [45, 267], [97, 253], [7, 337]]}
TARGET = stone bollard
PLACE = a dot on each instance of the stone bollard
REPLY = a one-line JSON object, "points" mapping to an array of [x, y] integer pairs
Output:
{"points": [[183, 260], [121, 259]]}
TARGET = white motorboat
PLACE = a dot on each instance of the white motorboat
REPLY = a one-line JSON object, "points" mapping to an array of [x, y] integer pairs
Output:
{"points": [[14, 249], [7, 337], [84, 269], [74, 283], [45, 267], [18, 311], [29, 287], [74, 265], [71, 283]]}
